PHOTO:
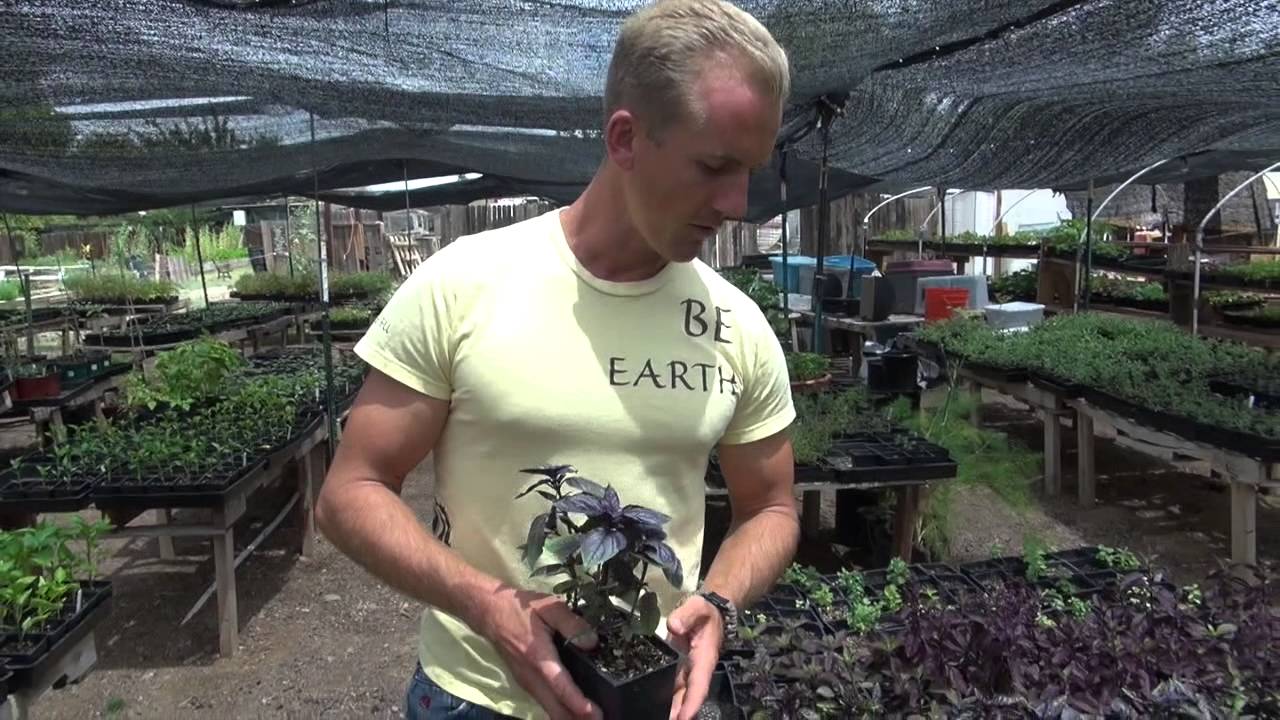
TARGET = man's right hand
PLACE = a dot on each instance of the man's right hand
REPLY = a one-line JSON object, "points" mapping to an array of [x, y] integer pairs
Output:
{"points": [[521, 625]]}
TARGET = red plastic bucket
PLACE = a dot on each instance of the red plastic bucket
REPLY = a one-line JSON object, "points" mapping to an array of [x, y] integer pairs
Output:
{"points": [[939, 303]]}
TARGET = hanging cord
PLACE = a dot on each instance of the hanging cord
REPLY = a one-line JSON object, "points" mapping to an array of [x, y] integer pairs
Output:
{"points": [[828, 110], [195, 231], [23, 285], [327, 338]]}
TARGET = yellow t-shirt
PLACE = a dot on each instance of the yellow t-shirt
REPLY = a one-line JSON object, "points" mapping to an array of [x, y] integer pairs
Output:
{"points": [[544, 364]]}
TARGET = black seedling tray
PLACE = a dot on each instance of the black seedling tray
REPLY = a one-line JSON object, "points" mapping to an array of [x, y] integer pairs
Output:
{"points": [[1062, 388], [146, 496], [1256, 446], [77, 628], [30, 495], [998, 374]]}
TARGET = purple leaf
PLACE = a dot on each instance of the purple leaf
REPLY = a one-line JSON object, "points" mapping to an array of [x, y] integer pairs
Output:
{"points": [[612, 504], [582, 504], [645, 516], [537, 536], [661, 554], [601, 544], [582, 484]]}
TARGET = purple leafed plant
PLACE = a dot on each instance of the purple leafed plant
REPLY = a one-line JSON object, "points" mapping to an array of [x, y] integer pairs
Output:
{"points": [[1145, 649], [603, 550]]}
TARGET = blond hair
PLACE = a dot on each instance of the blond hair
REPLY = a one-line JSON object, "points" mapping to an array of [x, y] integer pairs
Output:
{"points": [[663, 49]]}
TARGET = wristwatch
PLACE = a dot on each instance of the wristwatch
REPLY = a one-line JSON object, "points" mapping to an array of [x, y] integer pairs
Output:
{"points": [[728, 611]]}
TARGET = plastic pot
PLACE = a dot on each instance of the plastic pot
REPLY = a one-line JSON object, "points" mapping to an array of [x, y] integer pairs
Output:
{"points": [[639, 698], [40, 387]]}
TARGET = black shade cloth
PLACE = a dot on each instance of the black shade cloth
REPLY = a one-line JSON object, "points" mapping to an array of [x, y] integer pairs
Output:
{"points": [[113, 105]]}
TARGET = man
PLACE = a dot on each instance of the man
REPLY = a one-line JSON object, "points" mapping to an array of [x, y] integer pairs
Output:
{"points": [[590, 337]]}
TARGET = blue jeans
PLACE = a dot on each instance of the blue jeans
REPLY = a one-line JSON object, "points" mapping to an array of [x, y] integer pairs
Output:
{"points": [[426, 700]]}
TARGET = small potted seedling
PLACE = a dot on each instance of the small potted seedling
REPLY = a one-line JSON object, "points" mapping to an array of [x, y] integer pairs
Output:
{"points": [[603, 550]]}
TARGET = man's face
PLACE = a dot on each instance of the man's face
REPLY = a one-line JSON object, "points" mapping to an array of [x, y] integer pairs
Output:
{"points": [[681, 187]]}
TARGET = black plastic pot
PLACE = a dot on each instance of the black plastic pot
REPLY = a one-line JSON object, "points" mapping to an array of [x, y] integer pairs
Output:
{"points": [[639, 698]]}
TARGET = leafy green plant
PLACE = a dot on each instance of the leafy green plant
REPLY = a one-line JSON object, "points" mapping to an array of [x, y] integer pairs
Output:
{"points": [[1118, 558], [305, 286], [804, 577], [898, 573], [804, 366], [1033, 552], [36, 568], [1233, 299], [605, 556], [184, 375], [897, 236], [342, 318], [764, 293], [1152, 364], [1257, 270], [10, 290], [1019, 285]]}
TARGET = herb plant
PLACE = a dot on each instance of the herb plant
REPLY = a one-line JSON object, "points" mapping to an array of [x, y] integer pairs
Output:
{"points": [[603, 551]]}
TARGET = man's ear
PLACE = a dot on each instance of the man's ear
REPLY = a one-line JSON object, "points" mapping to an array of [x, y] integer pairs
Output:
{"points": [[620, 137]]}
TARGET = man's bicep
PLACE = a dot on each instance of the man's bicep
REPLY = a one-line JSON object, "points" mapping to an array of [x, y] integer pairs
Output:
{"points": [[390, 430], [759, 474]]}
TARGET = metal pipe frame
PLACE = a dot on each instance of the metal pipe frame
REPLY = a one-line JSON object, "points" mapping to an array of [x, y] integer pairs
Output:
{"points": [[1091, 216], [927, 218], [866, 219], [1199, 243]]}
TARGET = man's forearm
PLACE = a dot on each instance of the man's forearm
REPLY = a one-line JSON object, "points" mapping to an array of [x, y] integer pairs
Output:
{"points": [[373, 526], [753, 555]]}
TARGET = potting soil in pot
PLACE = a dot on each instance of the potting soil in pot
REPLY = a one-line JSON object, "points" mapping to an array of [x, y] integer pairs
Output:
{"points": [[625, 659]]}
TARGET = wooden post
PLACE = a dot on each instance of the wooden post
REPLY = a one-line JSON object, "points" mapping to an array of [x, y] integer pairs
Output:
{"points": [[811, 513], [304, 472], [224, 559], [1052, 452], [164, 541], [905, 515], [1244, 523], [1086, 472]]}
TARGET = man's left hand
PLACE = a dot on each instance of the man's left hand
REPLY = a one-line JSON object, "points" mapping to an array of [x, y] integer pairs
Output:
{"points": [[697, 629]]}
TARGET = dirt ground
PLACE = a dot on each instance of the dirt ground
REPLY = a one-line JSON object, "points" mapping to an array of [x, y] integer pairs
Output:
{"points": [[321, 639]]}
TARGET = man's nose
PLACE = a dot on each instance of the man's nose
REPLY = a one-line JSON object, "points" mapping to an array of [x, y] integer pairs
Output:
{"points": [[730, 200]]}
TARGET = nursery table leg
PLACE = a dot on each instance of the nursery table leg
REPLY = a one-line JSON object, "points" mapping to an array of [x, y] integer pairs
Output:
{"points": [[304, 471], [57, 427], [904, 521], [811, 513], [975, 390], [224, 557], [1052, 452], [1244, 523], [1086, 471], [163, 517]]}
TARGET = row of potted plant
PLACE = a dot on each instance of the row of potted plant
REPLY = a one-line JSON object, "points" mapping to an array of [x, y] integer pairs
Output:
{"points": [[109, 289], [305, 286], [1141, 647], [1021, 239], [201, 421], [50, 594], [1152, 368], [1258, 274], [177, 327]]}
